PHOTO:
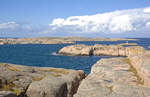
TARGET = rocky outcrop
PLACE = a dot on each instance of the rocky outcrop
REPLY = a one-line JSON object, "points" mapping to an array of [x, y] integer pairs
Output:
{"points": [[27, 81], [113, 77], [77, 50], [98, 50]]}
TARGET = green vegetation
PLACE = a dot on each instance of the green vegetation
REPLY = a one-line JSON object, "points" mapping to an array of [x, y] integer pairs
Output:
{"points": [[56, 74], [134, 71], [37, 78], [110, 88], [10, 86], [13, 68], [61, 71]]}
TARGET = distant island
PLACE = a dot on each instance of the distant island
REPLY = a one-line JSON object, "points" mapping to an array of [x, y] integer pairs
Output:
{"points": [[55, 40]]}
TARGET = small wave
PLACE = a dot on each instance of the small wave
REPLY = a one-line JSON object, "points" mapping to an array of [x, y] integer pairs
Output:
{"points": [[55, 54]]}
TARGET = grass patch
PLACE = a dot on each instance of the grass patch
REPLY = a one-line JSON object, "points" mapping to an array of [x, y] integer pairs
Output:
{"points": [[56, 74], [134, 71], [61, 71], [10, 86], [17, 91], [13, 68], [37, 78], [110, 88]]}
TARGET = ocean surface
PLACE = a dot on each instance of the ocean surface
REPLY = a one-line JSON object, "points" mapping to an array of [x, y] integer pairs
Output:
{"points": [[41, 55]]}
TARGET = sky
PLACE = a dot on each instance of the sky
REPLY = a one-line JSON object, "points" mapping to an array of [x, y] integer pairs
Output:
{"points": [[89, 18]]}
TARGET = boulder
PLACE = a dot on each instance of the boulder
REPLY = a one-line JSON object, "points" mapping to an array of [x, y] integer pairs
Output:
{"points": [[50, 86]]}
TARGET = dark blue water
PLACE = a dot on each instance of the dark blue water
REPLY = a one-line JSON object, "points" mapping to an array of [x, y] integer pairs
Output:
{"points": [[45, 55]]}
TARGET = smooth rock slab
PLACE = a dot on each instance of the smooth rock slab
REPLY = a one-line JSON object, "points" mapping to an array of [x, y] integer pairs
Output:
{"points": [[112, 77]]}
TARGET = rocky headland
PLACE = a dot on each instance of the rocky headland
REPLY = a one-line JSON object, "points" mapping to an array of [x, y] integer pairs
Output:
{"points": [[54, 40], [126, 76]]}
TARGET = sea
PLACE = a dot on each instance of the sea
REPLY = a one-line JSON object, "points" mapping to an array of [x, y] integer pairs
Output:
{"points": [[45, 55]]}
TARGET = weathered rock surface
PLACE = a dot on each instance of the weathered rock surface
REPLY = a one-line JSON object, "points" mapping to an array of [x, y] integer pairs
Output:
{"points": [[112, 78], [7, 94], [27, 81]]}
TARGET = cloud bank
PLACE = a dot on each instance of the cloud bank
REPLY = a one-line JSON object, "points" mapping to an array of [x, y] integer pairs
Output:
{"points": [[117, 22], [120, 23]]}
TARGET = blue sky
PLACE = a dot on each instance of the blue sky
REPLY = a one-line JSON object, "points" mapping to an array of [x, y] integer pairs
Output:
{"points": [[36, 15]]}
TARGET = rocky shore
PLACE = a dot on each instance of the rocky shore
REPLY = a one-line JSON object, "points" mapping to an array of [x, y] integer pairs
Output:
{"points": [[54, 40], [127, 76]]}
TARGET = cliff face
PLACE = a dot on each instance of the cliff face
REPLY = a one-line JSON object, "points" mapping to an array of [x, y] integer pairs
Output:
{"points": [[24, 81], [115, 77]]}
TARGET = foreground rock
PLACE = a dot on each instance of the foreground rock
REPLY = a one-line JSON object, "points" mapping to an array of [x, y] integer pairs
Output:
{"points": [[27, 81], [112, 77]]}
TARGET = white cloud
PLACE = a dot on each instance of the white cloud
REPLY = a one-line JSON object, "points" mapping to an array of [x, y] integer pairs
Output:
{"points": [[147, 10], [148, 24], [9, 25], [121, 21], [12, 26]]}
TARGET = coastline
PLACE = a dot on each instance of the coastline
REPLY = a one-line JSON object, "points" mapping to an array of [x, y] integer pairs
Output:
{"points": [[29, 81]]}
